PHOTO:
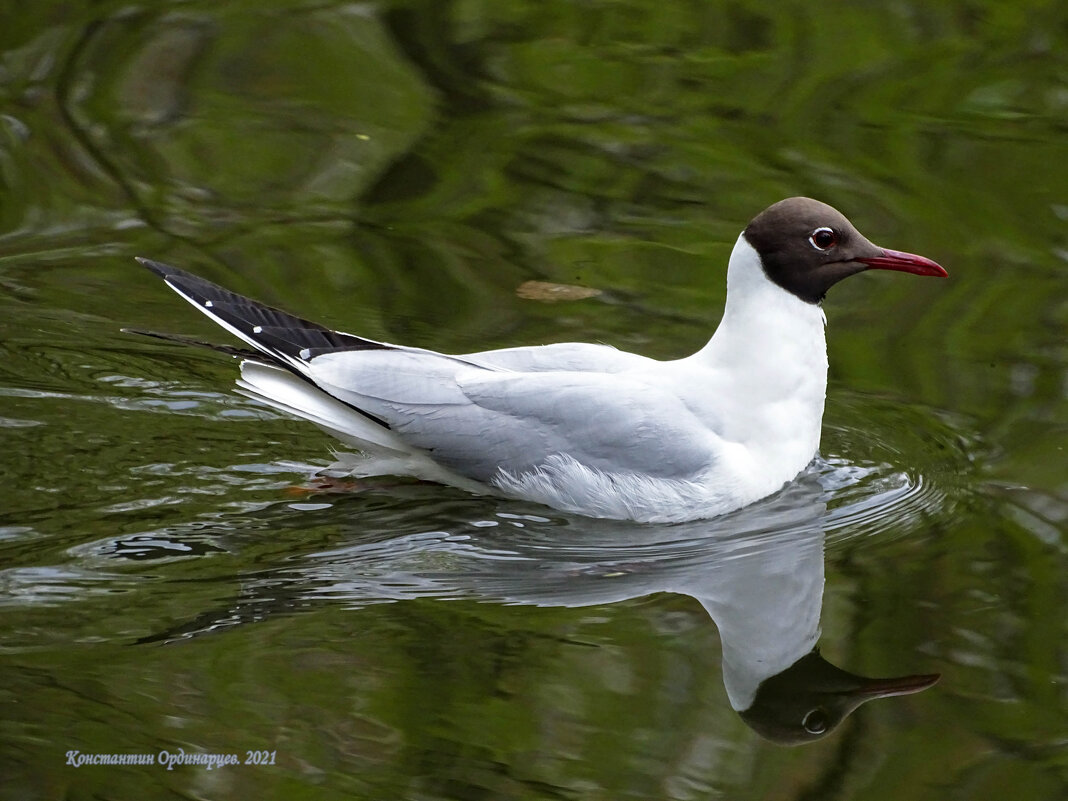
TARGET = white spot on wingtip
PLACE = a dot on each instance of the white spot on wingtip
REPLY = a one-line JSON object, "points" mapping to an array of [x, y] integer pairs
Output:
{"points": [[305, 353], [208, 304], [257, 329]]}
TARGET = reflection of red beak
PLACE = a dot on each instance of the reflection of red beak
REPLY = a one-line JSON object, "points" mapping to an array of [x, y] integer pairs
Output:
{"points": [[905, 263], [868, 689]]}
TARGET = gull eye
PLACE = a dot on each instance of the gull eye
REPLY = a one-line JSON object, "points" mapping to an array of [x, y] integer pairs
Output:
{"points": [[815, 721], [823, 239]]}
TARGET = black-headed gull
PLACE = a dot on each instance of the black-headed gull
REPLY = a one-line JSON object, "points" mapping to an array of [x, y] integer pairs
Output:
{"points": [[580, 427]]}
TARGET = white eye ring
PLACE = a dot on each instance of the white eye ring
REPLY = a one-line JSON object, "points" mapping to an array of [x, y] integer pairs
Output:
{"points": [[818, 232], [815, 721]]}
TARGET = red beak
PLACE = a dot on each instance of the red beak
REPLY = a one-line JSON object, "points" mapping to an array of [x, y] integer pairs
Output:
{"points": [[902, 685], [904, 262]]}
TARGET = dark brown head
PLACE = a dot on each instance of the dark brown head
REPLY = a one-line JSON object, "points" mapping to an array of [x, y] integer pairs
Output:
{"points": [[807, 247], [811, 697]]}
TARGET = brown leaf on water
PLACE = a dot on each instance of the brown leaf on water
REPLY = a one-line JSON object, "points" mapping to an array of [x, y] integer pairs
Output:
{"points": [[548, 291]]}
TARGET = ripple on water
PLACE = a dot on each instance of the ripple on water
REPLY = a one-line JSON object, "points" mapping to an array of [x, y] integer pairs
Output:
{"points": [[518, 556], [408, 540], [55, 584], [837, 498]]}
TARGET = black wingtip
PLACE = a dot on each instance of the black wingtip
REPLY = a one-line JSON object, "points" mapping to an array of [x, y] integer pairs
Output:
{"points": [[275, 332], [170, 274], [240, 353], [159, 268]]}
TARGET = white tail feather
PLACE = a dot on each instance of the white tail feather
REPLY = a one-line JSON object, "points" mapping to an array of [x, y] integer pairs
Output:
{"points": [[383, 453], [281, 390]]}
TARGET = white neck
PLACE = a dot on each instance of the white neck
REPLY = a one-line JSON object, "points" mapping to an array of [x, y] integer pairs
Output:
{"points": [[767, 609], [765, 328], [768, 359]]}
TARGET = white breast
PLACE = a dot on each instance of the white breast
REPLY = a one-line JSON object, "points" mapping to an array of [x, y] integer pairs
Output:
{"points": [[761, 381]]}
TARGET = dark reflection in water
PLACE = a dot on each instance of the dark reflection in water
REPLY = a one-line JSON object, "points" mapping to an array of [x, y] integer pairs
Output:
{"points": [[758, 573]]}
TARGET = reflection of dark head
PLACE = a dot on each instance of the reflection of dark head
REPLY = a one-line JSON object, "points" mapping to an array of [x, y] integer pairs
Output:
{"points": [[811, 697]]}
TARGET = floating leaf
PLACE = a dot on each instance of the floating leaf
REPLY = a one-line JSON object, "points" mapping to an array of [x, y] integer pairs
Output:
{"points": [[548, 291]]}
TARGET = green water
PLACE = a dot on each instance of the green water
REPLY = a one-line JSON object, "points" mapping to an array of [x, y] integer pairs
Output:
{"points": [[169, 580]]}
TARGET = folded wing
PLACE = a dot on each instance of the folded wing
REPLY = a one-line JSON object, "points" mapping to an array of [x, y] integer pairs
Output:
{"points": [[478, 422]]}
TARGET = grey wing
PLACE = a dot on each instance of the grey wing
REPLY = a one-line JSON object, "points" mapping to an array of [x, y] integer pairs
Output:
{"points": [[565, 356], [478, 422]]}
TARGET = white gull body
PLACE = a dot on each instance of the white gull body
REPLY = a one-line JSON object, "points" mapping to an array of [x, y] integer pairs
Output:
{"points": [[573, 426], [581, 427]]}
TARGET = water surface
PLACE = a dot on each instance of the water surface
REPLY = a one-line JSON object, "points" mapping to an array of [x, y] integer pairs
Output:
{"points": [[172, 579]]}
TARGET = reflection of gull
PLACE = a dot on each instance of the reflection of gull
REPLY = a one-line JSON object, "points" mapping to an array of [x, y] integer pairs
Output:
{"points": [[766, 602], [759, 573], [762, 584]]}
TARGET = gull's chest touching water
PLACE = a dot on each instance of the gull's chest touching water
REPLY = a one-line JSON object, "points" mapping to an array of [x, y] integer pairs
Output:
{"points": [[580, 427]]}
